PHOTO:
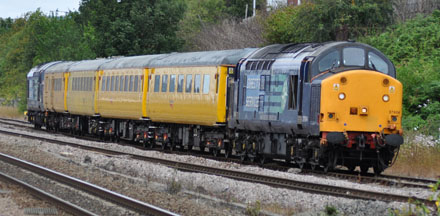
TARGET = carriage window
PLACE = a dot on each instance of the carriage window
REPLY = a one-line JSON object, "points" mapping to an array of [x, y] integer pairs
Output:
{"points": [[117, 83], [354, 56], [172, 83], [188, 83], [121, 83], [206, 84], [197, 83], [180, 83], [131, 83], [136, 83], [156, 83], [126, 83], [164, 83], [108, 84], [331, 60], [112, 83], [377, 63], [81, 84], [103, 84]]}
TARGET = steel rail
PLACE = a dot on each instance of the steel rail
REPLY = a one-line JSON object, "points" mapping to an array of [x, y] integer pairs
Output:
{"points": [[65, 205], [386, 180], [123, 200], [255, 178]]}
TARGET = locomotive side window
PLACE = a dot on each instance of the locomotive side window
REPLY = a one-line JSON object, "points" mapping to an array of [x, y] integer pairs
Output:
{"points": [[206, 84], [156, 83], [197, 83], [354, 56], [188, 83], [180, 83], [172, 83], [377, 63], [331, 60], [164, 83], [293, 88]]}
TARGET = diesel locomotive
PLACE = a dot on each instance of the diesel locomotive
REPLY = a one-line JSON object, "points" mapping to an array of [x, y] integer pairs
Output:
{"points": [[315, 104]]}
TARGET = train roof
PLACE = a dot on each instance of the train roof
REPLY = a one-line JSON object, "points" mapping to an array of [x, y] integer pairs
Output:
{"points": [[206, 58]]}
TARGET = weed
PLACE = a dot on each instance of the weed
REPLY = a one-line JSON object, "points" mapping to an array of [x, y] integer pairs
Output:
{"points": [[253, 209], [10, 112], [174, 186], [421, 149], [330, 210]]}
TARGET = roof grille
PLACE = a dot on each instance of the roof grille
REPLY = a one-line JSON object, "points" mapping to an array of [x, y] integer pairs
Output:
{"points": [[259, 65]]}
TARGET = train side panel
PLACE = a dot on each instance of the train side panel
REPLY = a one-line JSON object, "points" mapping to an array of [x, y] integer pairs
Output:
{"points": [[54, 92], [80, 93], [188, 95], [120, 93]]}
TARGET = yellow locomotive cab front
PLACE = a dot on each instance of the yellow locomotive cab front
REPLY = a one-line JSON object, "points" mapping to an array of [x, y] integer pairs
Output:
{"points": [[361, 101]]}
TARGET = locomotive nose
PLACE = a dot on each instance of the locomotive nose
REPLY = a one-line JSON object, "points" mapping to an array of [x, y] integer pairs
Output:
{"points": [[361, 100]]}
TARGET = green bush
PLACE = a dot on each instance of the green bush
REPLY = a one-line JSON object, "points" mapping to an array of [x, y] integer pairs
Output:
{"points": [[325, 20]]}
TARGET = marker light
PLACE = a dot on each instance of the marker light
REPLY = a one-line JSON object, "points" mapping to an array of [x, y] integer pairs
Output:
{"points": [[386, 98], [364, 110], [341, 96]]}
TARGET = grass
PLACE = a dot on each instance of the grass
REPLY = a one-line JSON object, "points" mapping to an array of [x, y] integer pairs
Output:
{"points": [[10, 112], [417, 159]]}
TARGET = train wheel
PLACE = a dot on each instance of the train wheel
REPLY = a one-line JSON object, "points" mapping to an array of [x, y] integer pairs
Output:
{"points": [[228, 151], [202, 148], [163, 146], [215, 152], [351, 168], [252, 158], [243, 157], [190, 147], [262, 160], [313, 166], [377, 170], [301, 165], [364, 169]]}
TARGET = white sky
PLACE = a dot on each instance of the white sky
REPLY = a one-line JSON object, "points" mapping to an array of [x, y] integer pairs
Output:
{"points": [[17, 8]]}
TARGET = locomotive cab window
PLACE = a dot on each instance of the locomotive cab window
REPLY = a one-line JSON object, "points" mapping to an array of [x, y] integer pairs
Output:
{"points": [[377, 63], [353, 56], [331, 60]]}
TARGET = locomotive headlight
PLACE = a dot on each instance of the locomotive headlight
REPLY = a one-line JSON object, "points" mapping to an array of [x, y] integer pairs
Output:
{"points": [[341, 96], [364, 110], [386, 98]]}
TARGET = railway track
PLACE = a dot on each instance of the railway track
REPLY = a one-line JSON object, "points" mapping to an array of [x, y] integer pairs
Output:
{"points": [[103, 193], [385, 180], [249, 177]]}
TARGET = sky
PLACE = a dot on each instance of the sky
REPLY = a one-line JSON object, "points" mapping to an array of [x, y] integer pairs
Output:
{"points": [[17, 8]]}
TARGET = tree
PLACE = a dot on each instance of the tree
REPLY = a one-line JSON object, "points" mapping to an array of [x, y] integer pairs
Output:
{"points": [[325, 20], [132, 27]]}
